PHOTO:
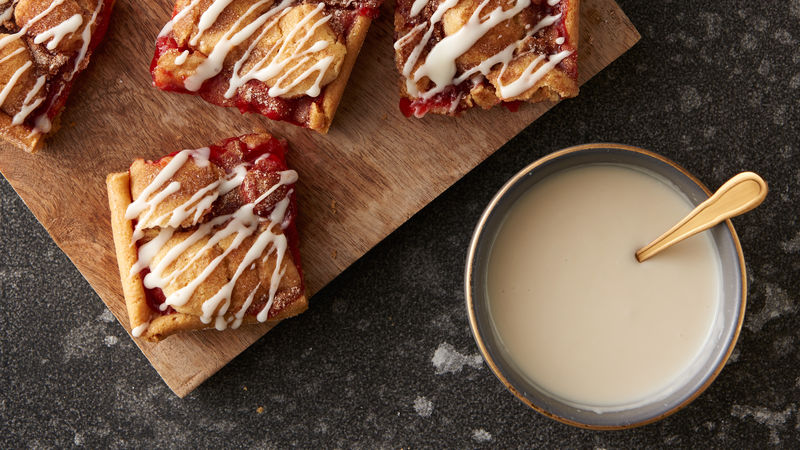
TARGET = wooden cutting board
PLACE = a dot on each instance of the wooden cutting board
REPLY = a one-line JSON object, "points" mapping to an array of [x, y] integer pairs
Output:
{"points": [[372, 172]]}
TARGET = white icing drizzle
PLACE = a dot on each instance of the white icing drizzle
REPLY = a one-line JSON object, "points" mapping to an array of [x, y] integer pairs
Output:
{"points": [[278, 214], [86, 38], [269, 67], [29, 104], [208, 18], [177, 161], [42, 124], [180, 59], [240, 314], [180, 15], [403, 40], [282, 58], [417, 6], [8, 12], [239, 225], [54, 35], [415, 54], [12, 54], [13, 37], [455, 103], [529, 77], [439, 66], [58, 32], [137, 332], [213, 64], [13, 81]]}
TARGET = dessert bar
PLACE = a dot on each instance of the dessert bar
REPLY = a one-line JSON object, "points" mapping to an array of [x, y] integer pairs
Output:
{"points": [[206, 238], [44, 44], [457, 54], [287, 60]]}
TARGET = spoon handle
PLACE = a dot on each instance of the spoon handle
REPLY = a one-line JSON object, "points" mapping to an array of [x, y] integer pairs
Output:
{"points": [[738, 195]]}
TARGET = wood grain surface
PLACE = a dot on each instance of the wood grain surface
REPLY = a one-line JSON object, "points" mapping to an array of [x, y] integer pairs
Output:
{"points": [[358, 183]]}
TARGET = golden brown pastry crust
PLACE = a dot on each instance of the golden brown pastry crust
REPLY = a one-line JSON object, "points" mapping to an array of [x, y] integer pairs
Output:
{"points": [[20, 136], [119, 197], [320, 119]]}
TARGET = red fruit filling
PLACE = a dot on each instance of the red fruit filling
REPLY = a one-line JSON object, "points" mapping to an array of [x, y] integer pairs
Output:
{"points": [[449, 98], [512, 106], [368, 11]]}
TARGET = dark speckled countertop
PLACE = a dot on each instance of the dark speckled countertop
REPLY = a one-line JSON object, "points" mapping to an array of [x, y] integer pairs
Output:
{"points": [[384, 357]]}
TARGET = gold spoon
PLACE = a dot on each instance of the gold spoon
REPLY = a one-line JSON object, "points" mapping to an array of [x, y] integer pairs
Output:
{"points": [[738, 195]]}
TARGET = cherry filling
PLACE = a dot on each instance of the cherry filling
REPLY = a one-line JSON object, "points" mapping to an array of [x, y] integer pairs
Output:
{"points": [[369, 11], [254, 97], [265, 160], [569, 64], [155, 298], [449, 98], [512, 106]]}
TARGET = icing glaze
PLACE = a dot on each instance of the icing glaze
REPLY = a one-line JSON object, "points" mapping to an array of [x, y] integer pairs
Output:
{"points": [[58, 32], [137, 331], [182, 57]]}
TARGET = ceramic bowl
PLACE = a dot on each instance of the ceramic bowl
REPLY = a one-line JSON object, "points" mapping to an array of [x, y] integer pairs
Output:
{"points": [[730, 313]]}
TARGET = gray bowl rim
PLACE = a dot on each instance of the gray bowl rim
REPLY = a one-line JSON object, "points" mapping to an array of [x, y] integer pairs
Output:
{"points": [[468, 283]]}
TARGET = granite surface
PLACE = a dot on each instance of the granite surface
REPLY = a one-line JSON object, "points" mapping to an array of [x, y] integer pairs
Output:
{"points": [[384, 357]]}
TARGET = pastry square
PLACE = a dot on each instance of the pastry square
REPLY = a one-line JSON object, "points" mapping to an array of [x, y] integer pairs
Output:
{"points": [[206, 238], [456, 54], [287, 60], [44, 44]]}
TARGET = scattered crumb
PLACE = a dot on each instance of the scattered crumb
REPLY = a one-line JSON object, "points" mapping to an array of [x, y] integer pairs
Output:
{"points": [[333, 206], [385, 116], [447, 359], [260, 409], [481, 435], [773, 420], [423, 407], [777, 303], [792, 245], [333, 254]]}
